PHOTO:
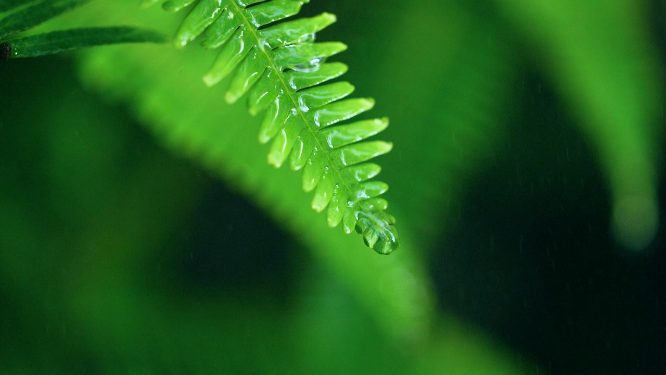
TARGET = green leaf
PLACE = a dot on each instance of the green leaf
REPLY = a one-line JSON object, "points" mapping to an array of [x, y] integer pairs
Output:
{"points": [[67, 40], [176, 5], [279, 65], [189, 119], [7, 5], [456, 112], [602, 61], [36, 14]]}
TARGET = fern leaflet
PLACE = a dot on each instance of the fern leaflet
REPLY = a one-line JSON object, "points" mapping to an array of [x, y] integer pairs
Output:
{"points": [[282, 68]]}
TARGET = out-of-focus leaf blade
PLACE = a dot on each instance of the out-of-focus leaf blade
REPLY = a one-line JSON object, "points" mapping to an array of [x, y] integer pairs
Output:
{"points": [[600, 58], [7, 5], [456, 114], [36, 14], [67, 40]]}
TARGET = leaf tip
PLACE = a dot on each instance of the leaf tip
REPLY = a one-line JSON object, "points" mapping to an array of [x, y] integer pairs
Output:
{"points": [[329, 18], [263, 139], [348, 87], [211, 79], [384, 121], [367, 103], [309, 184], [340, 47], [275, 159], [180, 42], [171, 6], [318, 204], [230, 98]]}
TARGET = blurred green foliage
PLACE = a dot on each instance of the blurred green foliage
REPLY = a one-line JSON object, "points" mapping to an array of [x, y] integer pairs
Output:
{"points": [[98, 221], [19, 16]]}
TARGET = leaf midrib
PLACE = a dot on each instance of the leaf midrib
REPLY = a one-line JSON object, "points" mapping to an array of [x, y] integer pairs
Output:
{"points": [[287, 88]]}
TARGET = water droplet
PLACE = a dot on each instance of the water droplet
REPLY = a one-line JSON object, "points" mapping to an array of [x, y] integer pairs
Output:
{"points": [[310, 66], [307, 38], [302, 105], [292, 84], [254, 21]]}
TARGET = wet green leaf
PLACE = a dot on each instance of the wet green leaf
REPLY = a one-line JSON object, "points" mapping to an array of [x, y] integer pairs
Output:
{"points": [[280, 66]]}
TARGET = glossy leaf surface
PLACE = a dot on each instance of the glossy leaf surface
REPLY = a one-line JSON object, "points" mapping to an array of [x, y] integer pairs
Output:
{"points": [[457, 102], [280, 68]]}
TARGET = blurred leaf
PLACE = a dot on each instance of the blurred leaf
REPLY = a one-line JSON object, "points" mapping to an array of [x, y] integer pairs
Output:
{"points": [[599, 55], [36, 14], [67, 40], [59, 41], [8, 5], [452, 114]]}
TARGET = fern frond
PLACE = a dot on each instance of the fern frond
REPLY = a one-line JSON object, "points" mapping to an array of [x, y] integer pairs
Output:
{"points": [[281, 69], [26, 14]]}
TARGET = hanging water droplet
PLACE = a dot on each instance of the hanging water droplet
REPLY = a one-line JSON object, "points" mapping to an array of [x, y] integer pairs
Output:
{"points": [[310, 66]]}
